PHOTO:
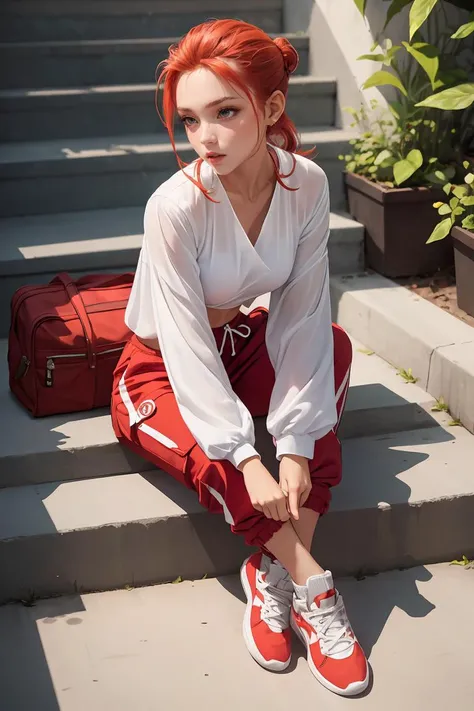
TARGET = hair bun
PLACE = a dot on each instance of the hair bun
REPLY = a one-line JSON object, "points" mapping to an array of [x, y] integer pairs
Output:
{"points": [[290, 55]]}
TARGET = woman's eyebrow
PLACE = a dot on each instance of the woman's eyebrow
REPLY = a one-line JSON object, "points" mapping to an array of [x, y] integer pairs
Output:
{"points": [[214, 103]]}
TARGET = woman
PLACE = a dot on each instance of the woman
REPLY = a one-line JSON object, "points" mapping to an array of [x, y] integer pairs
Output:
{"points": [[249, 216]]}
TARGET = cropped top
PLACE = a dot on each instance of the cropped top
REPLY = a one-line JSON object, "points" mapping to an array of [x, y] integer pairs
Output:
{"points": [[195, 254]]}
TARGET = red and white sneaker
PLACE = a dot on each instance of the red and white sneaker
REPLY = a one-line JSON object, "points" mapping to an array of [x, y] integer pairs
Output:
{"points": [[269, 590], [334, 655]]}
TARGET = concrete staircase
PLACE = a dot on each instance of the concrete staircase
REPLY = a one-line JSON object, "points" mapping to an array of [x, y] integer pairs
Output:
{"points": [[79, 513], [82, 150], [83, 147]]}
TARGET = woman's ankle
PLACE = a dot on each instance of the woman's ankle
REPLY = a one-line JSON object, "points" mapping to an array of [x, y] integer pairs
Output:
{"points": [[301, 577], [286, 547]]}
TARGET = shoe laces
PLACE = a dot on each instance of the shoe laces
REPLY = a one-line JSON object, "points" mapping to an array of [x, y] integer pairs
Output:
{"points": [[333, 628], [277, 599]]}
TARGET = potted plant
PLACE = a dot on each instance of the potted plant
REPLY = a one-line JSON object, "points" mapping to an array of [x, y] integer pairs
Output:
{"points": [[458, 220], [397, 166]]}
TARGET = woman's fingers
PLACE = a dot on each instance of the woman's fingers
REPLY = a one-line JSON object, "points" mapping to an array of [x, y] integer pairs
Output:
{"points": [[293, 503], [283, 511], [304, 496]]}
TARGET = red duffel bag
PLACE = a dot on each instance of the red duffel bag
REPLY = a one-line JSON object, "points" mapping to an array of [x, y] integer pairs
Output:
{"points": [[65, 340]]}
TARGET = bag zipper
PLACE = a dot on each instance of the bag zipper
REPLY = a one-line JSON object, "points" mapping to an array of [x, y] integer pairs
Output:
{"points": [[51, 365], [22, 369]]}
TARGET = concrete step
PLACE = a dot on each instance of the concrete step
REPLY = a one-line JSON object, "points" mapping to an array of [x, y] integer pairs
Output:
{"points": [[102, 651], [23, 20], [40, 65], [406, 498], [80, 445], [66, 175], [410, 332], [33, 249], [50, 114]]}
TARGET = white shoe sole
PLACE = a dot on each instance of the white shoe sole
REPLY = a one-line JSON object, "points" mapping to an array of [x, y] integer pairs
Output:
{"points": [[357, 687], [272, 664]]}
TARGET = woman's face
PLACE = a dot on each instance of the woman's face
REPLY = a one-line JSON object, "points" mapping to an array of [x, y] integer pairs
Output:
{"points": [[217, 124]]}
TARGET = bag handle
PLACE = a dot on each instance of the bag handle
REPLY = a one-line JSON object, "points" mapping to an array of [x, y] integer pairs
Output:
{"points": [[76, 300], [106, 280]]}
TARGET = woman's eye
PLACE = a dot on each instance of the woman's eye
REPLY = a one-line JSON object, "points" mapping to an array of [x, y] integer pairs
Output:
{"points": [[235, 112], [184, 119]]}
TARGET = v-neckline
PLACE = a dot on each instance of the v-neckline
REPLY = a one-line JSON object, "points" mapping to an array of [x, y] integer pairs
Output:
{"points": [[270, 207]]}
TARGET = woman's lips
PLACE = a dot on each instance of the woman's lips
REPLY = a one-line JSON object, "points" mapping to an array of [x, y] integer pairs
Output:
{"points": [[215, 159]]}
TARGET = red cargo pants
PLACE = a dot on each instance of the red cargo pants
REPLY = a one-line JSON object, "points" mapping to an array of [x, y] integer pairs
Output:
{"points": [[162, 437]]}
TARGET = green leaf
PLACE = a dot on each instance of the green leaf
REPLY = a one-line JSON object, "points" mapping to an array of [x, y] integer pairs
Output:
{"points": [[419, 12], [434, 178], [441, 231], [468, 222], [427, 57], [416, 157], [464, 31], [391, 54], [372, 57], [404, 169], [441, 405], [466, 164], [443, 176], [444, 210], [382, 78], [396, 108], [383, 155], [458, 97], [460, 191], [360, 4], [469, 179], [452, 76], [467, 201], [396, 7], [179, 579]]}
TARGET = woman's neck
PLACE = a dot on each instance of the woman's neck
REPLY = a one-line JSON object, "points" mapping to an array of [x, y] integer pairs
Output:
{"points": [[252, 177]]}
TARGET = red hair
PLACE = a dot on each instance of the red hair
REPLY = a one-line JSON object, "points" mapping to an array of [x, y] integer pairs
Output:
{"points": [[265, 67]]}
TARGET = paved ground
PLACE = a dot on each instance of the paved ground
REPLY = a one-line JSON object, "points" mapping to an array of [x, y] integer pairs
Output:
{"points": [[179, 646]]}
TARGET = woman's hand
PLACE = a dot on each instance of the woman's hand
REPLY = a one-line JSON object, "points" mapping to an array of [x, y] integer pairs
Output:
{"points": [[295, 481], [264, 492]]}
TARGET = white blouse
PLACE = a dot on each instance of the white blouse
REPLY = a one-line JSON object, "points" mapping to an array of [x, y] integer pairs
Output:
{"points": [[196, 254]]}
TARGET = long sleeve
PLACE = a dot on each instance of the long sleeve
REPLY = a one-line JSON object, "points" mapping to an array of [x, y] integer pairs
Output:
{"points": [[169, 302], [300, 342]]}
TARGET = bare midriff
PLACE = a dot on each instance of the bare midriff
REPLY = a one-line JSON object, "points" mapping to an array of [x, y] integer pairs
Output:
{"points": [[217, 318]]}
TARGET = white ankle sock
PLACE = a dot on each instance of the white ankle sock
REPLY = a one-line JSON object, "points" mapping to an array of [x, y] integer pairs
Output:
{"points": [[315, 585]]}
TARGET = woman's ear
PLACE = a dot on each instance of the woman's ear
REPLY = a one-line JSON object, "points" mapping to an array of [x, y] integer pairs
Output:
{"points": [[274, 107]]}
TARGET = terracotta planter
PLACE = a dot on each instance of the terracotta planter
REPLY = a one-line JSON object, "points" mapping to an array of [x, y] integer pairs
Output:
{"points": [[463, 241], [398, 223]]}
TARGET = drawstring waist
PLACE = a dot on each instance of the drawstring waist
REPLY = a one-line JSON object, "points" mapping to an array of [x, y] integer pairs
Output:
{"points": [[230, 331]]}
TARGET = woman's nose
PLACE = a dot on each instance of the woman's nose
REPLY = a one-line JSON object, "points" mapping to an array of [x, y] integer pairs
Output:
{"points": [[207, 133]]}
